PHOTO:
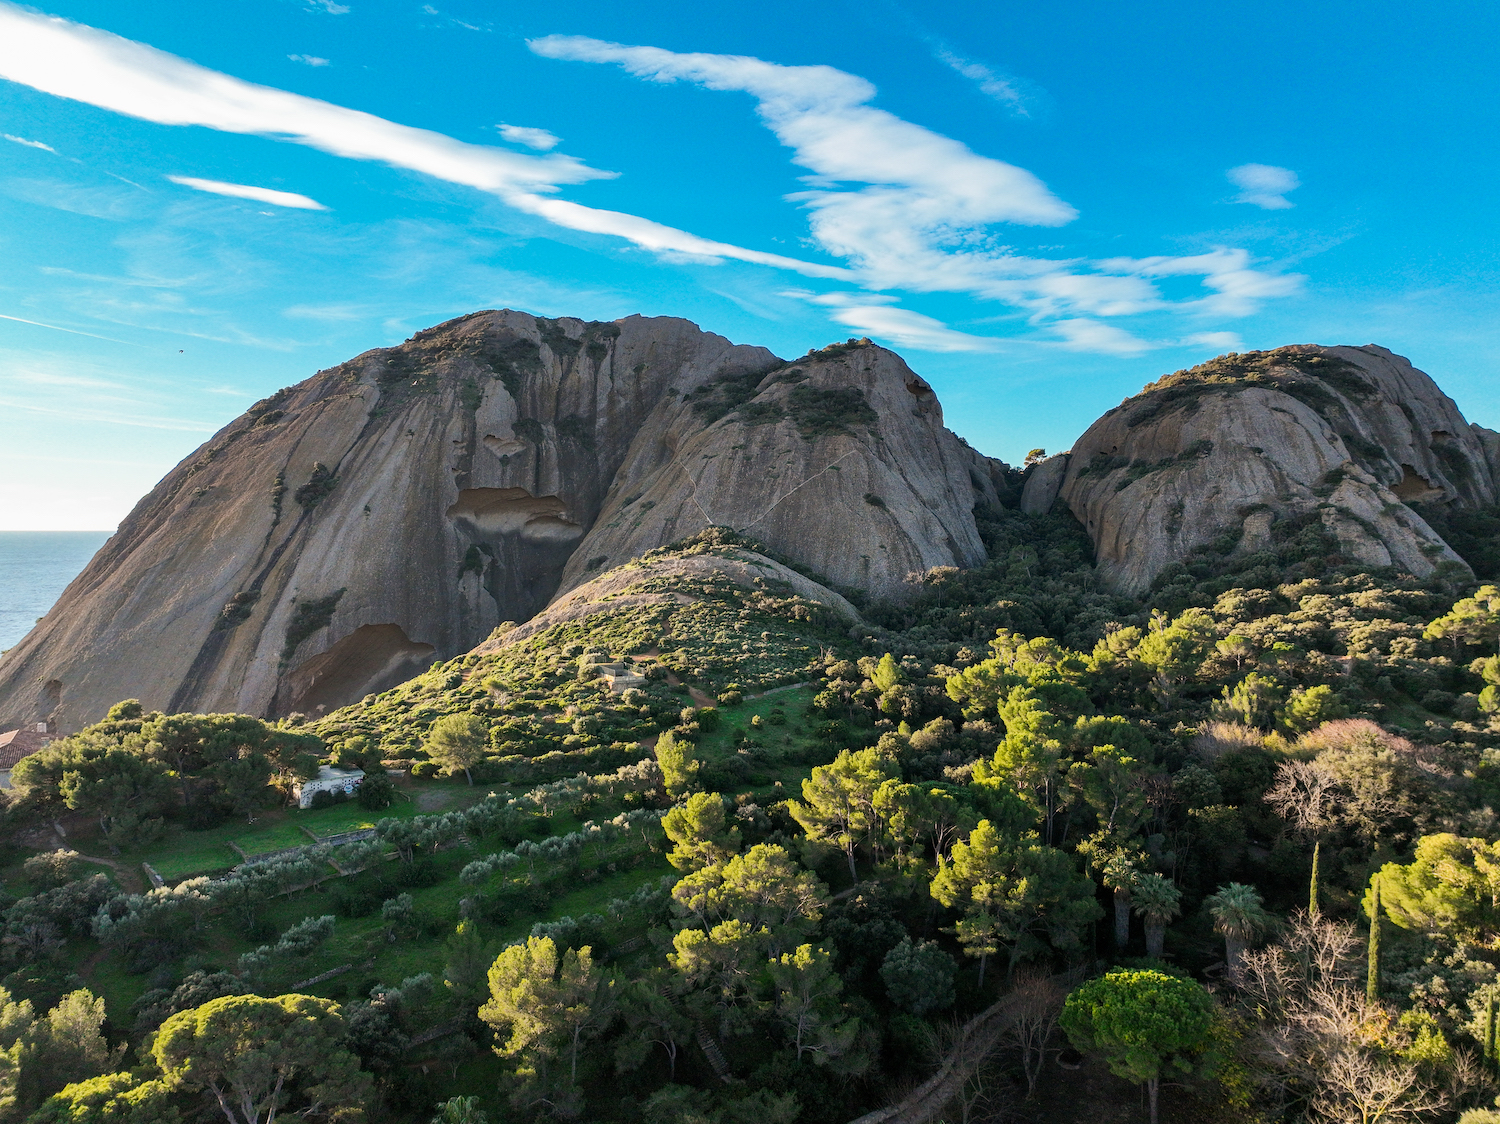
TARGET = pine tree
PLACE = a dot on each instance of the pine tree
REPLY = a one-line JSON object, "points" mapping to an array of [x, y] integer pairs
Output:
{"points": [[1372, 981]]}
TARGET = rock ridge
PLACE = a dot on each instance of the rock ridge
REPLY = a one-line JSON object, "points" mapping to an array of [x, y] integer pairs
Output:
{"points": [[346, 532], [1351, 435]]}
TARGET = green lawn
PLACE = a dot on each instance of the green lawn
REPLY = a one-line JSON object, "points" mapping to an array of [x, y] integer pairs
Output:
{"points": [[184, 854], [794, 735]]}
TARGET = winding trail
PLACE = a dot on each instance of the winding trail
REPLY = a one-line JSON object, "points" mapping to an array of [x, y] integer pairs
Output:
{"points": [[977, 1040]]}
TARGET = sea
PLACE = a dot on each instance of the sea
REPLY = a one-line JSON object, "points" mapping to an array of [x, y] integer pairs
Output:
{"points": [[35, 567]]}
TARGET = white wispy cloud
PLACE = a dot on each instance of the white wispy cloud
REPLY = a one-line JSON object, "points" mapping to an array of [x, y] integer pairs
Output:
{"points": [[1004, 89], [56, 328], [531, 138], [328, 7], [1219, 341], [875, 315], [910, 209], [1084, 334], [85, 64], [900, 206], [29, 143], [453, 21], [245, 191], [330, 313], [1264, 185], [309, 60]]}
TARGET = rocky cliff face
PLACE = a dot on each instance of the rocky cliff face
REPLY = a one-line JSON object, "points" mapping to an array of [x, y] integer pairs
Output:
{"points": [[839, 461], [346, 532], [1350, 434]]}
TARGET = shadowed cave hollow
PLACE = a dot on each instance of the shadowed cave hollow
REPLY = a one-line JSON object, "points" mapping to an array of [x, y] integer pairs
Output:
{"points": [[372, 658]]}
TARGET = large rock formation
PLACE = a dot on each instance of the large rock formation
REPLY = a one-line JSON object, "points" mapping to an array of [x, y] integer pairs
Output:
{"points": [[839, 460], [346, 532], [1351, 434]]}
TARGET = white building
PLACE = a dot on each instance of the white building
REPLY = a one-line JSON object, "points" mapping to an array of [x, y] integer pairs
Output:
{"points": [[329, 779]]}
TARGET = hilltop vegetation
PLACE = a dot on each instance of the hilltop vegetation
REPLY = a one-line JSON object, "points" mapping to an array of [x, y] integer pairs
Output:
{"points": [[709, 852]]}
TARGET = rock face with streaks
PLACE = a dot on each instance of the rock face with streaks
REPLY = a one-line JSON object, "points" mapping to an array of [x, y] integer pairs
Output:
{"points": [[1348, 435], [839, 461], [346, 532]]}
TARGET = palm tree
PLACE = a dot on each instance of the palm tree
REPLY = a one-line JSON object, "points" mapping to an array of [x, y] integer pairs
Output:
{"points": [[1120, 874], [1239, 915], [1157, 900]]}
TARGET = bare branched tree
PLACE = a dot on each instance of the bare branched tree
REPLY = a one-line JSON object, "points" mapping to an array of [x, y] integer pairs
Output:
{"points": [[1316, 1040], [1038, 1004], [1362, 1087], [1304, 794]]}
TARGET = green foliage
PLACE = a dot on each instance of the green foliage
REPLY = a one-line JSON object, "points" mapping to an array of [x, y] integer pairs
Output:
{"points": [[1146, 1024], [918, 977], [1473, 620], [318, 486], [458, 741], [376, 792], [545, 1004], [117, 785], [1010, 892], [829, 411], [698, 833], [1239, 915], [112, 1098], [297, 1057], [1450, 886], [307, 618], [679, 764], [807, 994], [40, 1056], [838, 801]]}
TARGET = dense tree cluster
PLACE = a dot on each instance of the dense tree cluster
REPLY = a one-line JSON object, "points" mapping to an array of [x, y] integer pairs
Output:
{"points": [[1275, 775]]}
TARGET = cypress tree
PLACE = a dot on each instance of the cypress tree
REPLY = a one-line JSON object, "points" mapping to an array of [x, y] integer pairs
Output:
{"points": [[1312, 887], [1488, 1043], [1372, 981]]}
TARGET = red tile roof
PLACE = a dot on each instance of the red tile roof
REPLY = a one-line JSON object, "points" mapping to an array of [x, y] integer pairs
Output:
{"points": [[16, 744]]}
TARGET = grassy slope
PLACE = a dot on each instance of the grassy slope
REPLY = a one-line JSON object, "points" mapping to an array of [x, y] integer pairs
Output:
{"points": [[778, 756]]}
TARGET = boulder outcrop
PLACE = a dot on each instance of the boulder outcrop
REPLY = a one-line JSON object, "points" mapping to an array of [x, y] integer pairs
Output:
{"points": [[839, 461], [346, 532], [1353, 435]]}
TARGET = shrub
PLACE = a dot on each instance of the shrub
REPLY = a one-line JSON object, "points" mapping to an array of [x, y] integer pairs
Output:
{"points": [[52, 869], [377, 791]]}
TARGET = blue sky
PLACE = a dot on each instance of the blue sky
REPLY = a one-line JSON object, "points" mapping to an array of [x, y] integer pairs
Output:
{"points": [[1040, 206]]}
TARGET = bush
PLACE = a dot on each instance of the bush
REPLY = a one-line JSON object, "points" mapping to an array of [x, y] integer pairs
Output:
{"points": [[354, 901], [425, 770], [377, 791], [52, 869], [325, 799]]}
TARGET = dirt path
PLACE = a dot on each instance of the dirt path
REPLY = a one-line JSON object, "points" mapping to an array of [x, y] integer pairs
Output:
{"points": [[130, 877], [977, 1041]]}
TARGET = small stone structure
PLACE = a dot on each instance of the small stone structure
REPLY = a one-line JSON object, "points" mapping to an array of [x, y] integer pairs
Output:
{"points": [[620, 676], [329, 779]]}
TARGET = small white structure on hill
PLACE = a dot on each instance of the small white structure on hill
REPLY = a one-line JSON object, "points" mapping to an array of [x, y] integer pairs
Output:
{"points": [[329, 779], [620, 676]]}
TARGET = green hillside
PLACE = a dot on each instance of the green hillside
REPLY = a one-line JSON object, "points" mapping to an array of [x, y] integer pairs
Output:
{"points": [[713, 851]]}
